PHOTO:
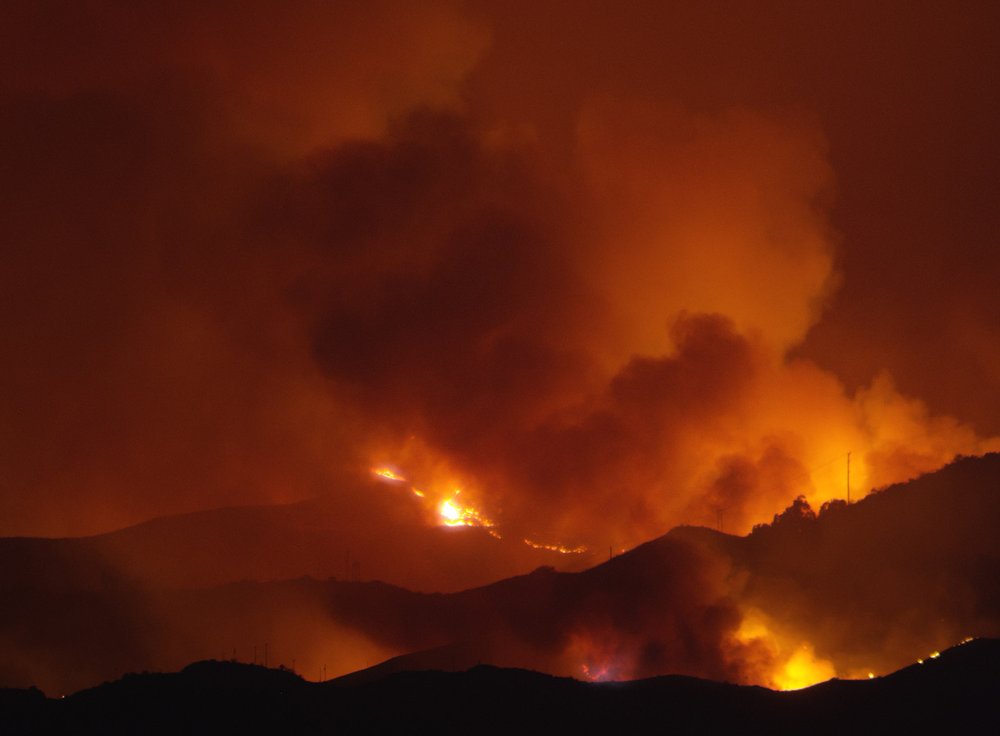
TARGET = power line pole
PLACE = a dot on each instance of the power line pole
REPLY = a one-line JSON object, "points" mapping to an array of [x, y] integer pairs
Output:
{"points": [[848, 478]]}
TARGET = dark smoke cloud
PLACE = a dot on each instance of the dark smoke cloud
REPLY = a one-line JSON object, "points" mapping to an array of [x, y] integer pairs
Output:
{"points": [[455, 312], [904, 98], [480, 336], [150, 361]]}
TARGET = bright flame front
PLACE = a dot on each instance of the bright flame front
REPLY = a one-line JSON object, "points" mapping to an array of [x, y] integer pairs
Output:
{"points": [[793, 663], [578, 550], [448, 509], [454, 513]]}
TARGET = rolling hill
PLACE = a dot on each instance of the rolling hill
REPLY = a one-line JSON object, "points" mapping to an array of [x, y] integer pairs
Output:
{"points": [[956, 692], [851, 590]]}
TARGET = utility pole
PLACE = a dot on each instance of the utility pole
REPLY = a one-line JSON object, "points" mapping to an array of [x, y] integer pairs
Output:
{"points": [[848, 478]]}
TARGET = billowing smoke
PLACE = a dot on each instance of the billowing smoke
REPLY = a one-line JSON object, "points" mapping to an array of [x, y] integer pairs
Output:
{"points": [[256, 251], [151, 362], [481, 315]]}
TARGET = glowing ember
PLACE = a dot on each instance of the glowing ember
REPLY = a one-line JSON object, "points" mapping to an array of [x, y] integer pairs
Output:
{"points": [[597, 675], [579, 550], [388, 474]]}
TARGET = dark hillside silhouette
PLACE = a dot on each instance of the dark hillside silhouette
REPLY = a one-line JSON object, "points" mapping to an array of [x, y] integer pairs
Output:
{"points": [[320, 538], [954, 693]]}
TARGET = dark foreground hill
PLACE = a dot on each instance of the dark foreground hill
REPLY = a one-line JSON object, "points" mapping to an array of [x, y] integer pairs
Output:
{"points": [[959, 692]]}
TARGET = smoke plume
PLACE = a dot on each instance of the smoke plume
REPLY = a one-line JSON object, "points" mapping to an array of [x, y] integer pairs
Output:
{"points": [[254, 252]]}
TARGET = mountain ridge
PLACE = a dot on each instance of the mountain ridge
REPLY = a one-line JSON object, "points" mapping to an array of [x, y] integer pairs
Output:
{"points": [[679, 603], [955, 691]]}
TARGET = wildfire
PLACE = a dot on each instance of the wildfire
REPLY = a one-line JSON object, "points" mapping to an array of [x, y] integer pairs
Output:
{"points": [[792, 670], [579, 550], [451, 514], [447, 508], [597, 675], [935, 654], [388, 474], [803, 669], [451, 509], [598, 656], [454, 514]]}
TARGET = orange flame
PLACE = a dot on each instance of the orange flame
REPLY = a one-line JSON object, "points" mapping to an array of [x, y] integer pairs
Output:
{"points": [[578, 550], [447, 508], [453, 514], [795, 664], [388, 474]]}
